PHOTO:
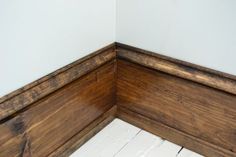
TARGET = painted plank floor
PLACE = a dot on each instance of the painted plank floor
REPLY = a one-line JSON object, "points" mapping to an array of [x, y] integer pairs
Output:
{"points": [[120, 139]]}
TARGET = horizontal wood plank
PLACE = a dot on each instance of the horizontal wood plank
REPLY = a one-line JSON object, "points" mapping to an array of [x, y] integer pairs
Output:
{"points": [[187, 104], [53, 120], [200, 111], [31, 93], [209, 77], [172, 134]]}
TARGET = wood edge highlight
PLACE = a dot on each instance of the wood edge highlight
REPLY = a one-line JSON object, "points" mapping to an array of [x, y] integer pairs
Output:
{"points": [[53, 74], [173, 135], [195, 73], [156, 54], [87, 133], [36, 90]]}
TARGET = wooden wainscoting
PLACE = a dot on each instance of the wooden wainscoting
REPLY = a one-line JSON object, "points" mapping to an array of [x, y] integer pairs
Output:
{"points": [[189, 106], [199, 74], [31, 93], [184, 103], [79, 98]]}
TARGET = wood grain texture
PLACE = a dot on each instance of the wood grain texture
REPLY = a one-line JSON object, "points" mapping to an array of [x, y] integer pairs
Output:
{"points": [[31, 93], [56, 118], [173, 135], [192, 108], [83, 136], [212, 78], [187, 104]]}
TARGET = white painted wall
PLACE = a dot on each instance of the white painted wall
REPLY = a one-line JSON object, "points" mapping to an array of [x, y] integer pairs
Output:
{"points": [[40, 36], [198, 31]]}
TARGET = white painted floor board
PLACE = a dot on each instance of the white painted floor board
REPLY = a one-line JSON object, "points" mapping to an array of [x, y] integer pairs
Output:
{"points": [[141, 145], [188, 153], [166, 149], [120, 139], [109, 141]]}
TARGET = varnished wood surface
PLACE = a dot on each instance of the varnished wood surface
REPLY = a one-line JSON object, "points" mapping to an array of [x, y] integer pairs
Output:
{"points": [[212, 78], [184, 103], [195, 109], [55, 119], [173, 135], [83, 136], [31, 93]]}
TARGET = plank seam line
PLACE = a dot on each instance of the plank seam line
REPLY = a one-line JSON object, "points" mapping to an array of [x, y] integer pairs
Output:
{"points": [[127, 143]]}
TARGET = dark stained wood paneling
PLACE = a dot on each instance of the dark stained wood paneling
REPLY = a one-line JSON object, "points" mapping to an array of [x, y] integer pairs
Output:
{"points": [[212, 78], [187, 104], [50, 122], [173, 135], [31, 93], [194, 109]]}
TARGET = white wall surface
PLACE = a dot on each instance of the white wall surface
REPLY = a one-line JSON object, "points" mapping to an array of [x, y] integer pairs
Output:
{"points": [[40, 36], [198, 31]]}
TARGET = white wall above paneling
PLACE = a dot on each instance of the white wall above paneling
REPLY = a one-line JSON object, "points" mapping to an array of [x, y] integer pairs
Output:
{"points": [[198, 31], [39, 36]]}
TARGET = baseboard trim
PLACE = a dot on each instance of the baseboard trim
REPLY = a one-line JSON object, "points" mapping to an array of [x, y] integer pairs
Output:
{"points": [[42, 127], [196, 73], [103, 69], [173, 135], [38, 89], [197, 110]]}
